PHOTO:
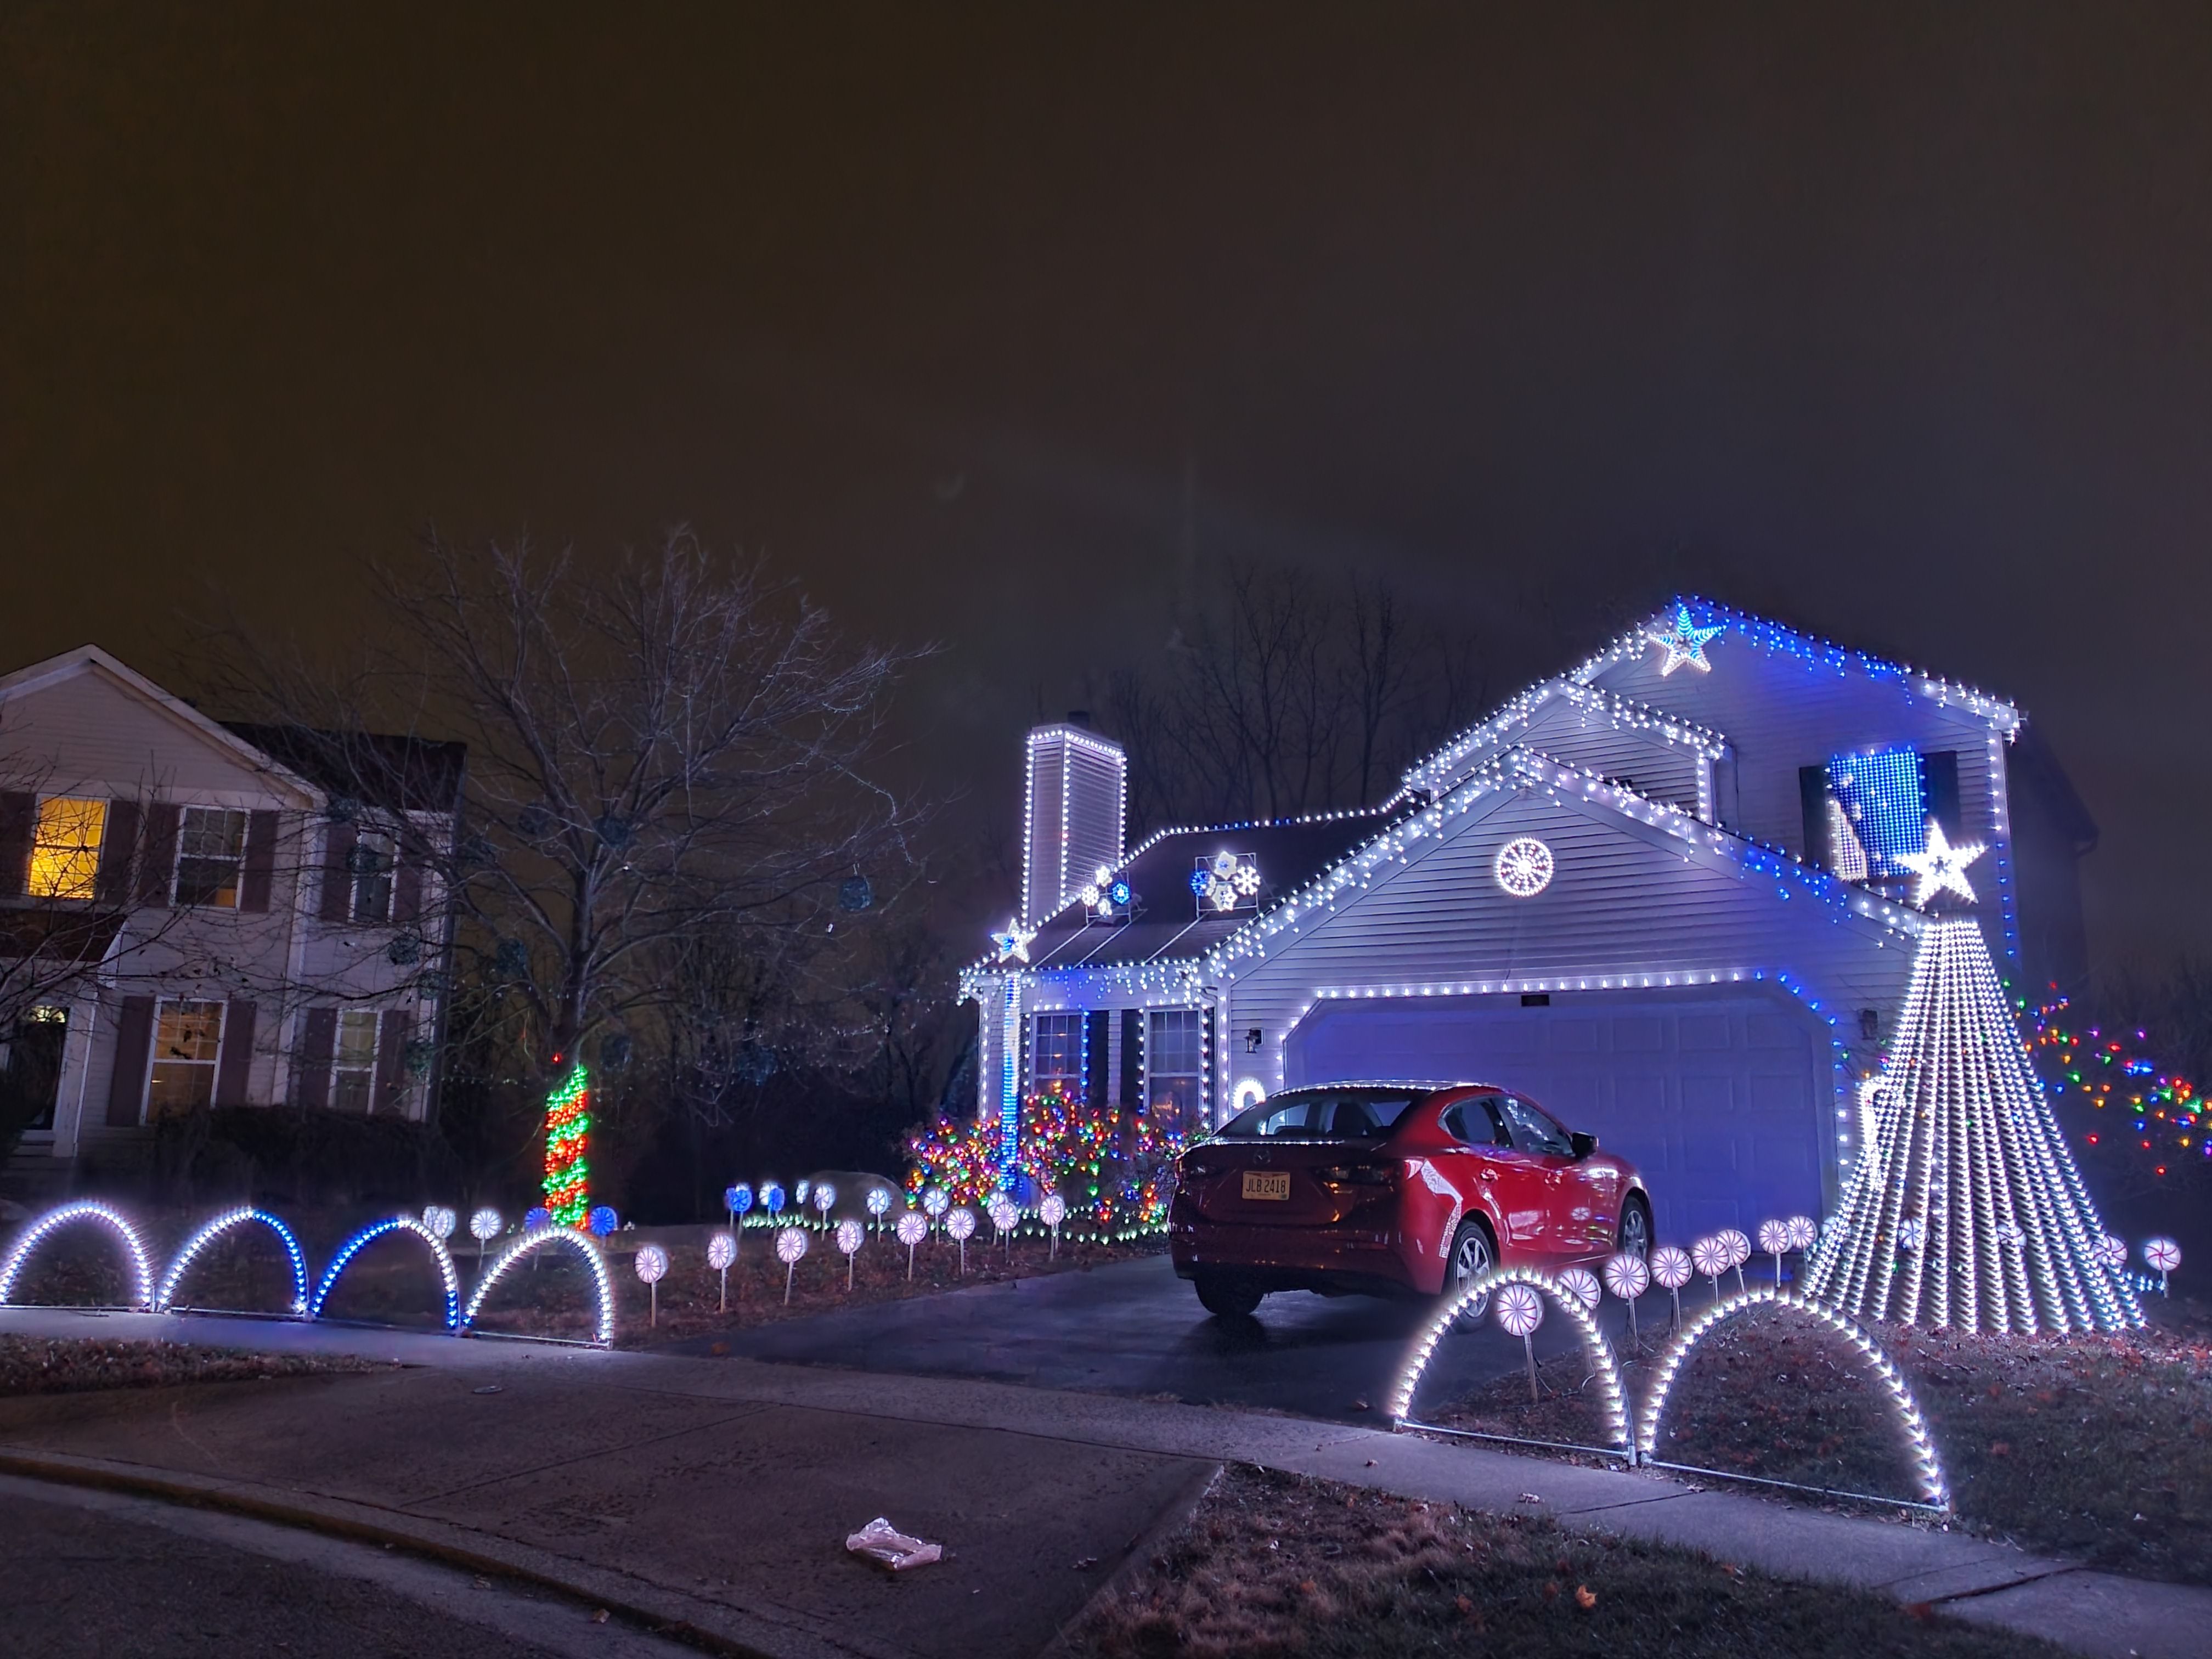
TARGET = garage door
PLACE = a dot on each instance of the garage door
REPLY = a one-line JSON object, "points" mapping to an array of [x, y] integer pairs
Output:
{"points": [[1725, 1100]]}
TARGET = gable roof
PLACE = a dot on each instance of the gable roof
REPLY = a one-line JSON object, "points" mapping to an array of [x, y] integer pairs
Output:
{"points": [[1477, 743], [91, 660], [405, 773]]}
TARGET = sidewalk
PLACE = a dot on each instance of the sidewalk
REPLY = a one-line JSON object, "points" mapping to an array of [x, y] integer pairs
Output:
{"points": [[715, 1493]]}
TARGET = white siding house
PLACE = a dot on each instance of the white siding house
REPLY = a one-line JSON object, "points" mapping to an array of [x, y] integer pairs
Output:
{"points": [[187, 921], [1661, 893]]}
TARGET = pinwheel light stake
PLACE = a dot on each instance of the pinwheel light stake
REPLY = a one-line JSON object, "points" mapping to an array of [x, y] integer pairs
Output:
{"points": [[961, 1224], [1628, 1276], [1004, 1218], [825, 1196], [1672, 1266], [1710, 1258], [912, 1228], [879, 1202], [790, 1245], [1052, 1213], [1774, 1239], [721, 1251], [2116, 1252], [1581, 1283], [851, 1235], [1739, 1252], [440, 1220], [652, 1267], [484, 1227], [771, 1199], [1802, 1232], [1520, 1311], [737, 1201], [934, 1200], [2164, 1256]]}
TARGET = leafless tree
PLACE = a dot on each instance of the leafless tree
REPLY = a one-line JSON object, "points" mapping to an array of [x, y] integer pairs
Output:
{"points": [[676, 750]]}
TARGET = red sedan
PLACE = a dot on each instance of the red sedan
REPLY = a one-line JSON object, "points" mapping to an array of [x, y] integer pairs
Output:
{"points": [[1394, 1190]]}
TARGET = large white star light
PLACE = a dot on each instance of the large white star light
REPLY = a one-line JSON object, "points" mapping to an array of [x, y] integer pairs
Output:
{"points": [[1942, 867], [1685, 643], [1013, 942]]}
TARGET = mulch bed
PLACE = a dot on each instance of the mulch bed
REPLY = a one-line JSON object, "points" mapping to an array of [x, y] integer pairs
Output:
{"points": [[32, 1365], [2097, 1447], [1275, 1564]]}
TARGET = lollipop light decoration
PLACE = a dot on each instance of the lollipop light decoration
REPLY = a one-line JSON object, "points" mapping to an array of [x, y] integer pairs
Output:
{"points": [[1774, 1239], [2116, 1252], [721, 1251], [2163, 1255], [1052, 1213], [851, 1235], [1520, 1311], [484, 1227], [912, 1228], [825, 1196], [1739, 1252], [1005, 1218], [1627, 1275], [602, 1221], [790, 1245], [879, 1204], [440, 1220], [652, 1266], [1710, 1255], [960, 1223], [1672, 1266], [771, 1200], [736, 1198], [1581, 1283], [935, 1200]]}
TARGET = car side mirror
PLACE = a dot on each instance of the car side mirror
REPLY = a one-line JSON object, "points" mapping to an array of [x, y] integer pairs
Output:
{"points": [[1584, 1145]]}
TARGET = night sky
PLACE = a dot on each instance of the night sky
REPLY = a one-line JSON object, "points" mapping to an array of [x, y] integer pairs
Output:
{"points": [[1898, 327]]}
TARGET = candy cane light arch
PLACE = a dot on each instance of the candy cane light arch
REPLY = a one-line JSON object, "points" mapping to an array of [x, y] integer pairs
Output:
{"points": [[166, 1298], [1595, 1348], [369, 1234], [529, 1244], [142, 1271]]}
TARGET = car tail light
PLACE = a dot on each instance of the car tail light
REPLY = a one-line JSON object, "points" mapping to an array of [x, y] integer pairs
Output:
{"points": [[1358, 1174]]}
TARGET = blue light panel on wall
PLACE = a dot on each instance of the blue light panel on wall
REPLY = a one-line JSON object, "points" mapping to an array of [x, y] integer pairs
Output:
{"points": [[1884, 797]]}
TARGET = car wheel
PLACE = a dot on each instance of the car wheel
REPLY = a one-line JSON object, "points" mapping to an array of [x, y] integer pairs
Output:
{"points": [[1473, 1255], [1635, 1236], [1229, 1299]]}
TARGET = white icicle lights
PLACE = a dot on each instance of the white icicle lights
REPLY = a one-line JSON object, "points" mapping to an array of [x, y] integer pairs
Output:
{"points": [[1967, 1152]]}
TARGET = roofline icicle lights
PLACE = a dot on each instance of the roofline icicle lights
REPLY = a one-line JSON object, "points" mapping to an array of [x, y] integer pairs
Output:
{"points": [[142, 1271], [369, 1234], [568, 1127], [1594, 1347], [528, 1245], [166, 1298], [1966, 1156], [1921, 1445]]}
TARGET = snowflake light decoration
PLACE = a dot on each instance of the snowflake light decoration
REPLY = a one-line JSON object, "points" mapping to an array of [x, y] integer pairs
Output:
{"points": [[1524, 867], [1227, 881]]}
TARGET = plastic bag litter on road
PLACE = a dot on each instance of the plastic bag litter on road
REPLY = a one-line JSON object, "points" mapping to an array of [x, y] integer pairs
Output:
{"points": [[880, 1540]]}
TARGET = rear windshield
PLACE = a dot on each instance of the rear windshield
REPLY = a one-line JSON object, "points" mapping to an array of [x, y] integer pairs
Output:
{"points": [[1325, 1115]]}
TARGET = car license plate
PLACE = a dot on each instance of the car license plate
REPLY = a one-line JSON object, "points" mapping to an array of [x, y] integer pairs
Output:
{"points": [[1267, 1183]]}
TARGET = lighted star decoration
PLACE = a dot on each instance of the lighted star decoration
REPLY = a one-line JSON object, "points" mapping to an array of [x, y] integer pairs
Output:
{"points": [[1685, 643], [1013, 942], [1942, 867]]}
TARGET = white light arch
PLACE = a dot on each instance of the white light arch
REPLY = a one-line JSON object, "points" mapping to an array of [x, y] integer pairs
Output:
{"points": [[1922, 1446], [167, 1296], [1248, 1091], [1594, 1347], [531, 1242], [369, 1234], [142, 1271]]}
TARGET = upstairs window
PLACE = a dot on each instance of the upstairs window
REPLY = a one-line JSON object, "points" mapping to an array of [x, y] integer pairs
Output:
{"points": [[65, 848], [1862, 811], [210, 851], [186, 1040], [353, 1066], [371, 863]]}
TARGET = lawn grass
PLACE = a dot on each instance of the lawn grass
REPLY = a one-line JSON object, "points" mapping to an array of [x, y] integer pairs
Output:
{"points": [[2094, 1447], [1277, 1565], [35, 1365]]}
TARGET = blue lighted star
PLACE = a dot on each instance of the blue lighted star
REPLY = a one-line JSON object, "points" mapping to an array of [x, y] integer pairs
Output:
{"points": [[1013, 942], [1685, 643]]}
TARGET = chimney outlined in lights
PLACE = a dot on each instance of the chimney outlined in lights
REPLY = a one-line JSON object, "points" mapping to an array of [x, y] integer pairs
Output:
{"points": [[1074, 813]]}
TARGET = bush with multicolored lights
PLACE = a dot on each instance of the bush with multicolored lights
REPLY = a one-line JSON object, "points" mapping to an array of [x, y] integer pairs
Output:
{"points": [[1115, 1168], [2155, 1110]]}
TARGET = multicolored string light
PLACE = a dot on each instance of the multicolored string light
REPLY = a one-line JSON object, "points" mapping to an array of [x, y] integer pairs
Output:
{"points": [[2160, 1111], [568, 1124], [1117, 1168]]}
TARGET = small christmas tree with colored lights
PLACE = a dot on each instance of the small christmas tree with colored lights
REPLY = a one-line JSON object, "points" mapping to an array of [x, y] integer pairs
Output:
{"points": [[1966, 1210]]}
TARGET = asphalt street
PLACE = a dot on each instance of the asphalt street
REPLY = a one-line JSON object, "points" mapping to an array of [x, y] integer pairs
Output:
{"points": [[1135, 1329]]}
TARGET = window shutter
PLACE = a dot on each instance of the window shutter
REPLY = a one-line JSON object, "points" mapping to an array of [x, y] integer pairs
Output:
{"points": [[1812, 796], [119, 845], [310, 1060], [406, 890], [391, 1081], [126, 1089], [1939, 787], [157, 871], [231, 1068], [337, 872], [19, 823], [1094, 1055], [1133, 1059], [260, 861]]}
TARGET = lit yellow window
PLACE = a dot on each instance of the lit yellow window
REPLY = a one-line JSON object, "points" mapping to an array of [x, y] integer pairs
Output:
{"points": [[65, 853]]}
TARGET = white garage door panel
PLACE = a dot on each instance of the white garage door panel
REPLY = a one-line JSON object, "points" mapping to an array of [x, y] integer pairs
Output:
{"points": [[1722, 1099]]}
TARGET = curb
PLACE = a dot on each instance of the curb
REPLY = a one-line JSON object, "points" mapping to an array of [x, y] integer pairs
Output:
{"points": [[708, 1625], [1138, 1555]]}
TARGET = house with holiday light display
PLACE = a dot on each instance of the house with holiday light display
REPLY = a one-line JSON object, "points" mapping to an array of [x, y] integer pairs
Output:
{"points": [[1676, 894]]}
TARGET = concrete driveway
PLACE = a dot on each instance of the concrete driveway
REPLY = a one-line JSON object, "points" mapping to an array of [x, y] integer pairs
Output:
{"points": [[1135, 1329]]}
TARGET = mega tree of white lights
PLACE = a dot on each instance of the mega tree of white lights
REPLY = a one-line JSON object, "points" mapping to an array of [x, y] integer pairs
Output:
{"points": [[1966, 1210]]}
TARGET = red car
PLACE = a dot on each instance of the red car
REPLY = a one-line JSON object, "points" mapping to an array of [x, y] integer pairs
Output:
{"points": [[1403, 1189]]}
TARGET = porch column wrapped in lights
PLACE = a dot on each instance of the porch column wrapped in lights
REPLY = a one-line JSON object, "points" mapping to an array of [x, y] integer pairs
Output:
{"points": [[1966, 1210], [567, 1124]]}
